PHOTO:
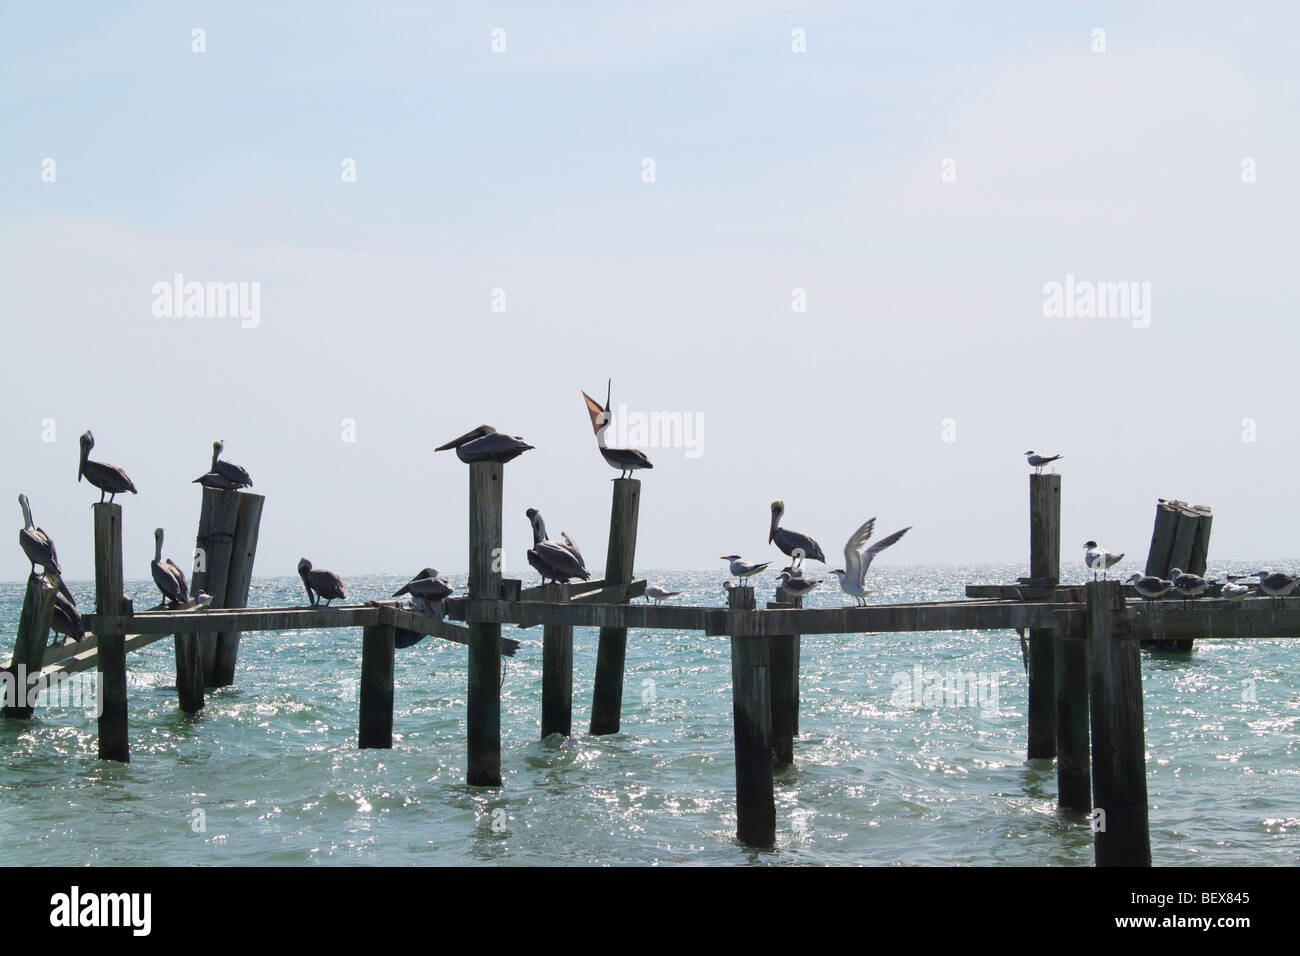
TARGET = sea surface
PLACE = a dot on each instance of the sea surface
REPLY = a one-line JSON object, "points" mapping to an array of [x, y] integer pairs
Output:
{"points": [[911, 752]]}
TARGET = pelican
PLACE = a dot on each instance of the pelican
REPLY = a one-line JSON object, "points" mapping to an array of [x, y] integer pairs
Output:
{"points": [[857, 561], [624, 460], [109, 479], [795, 587], [1188, 585], [1038, 461], [223, 474], [485, 443], [1276, 584], [792, 544], [1149, 586], [39, 548], [66, 620], [554, 560], [657, 594], [1099, 559], [429, 586], [320, 584], [169, 578], [743, 569]]}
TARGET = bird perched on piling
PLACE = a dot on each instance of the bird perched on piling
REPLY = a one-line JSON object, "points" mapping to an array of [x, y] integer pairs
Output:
{"points": [[109, 479], [169, 578], [857, 560], [39, 548], [66, 621], [741, 568], [1038, 461], [791, 543], [551, 559], [428, 586], [796, 587], [623, 460], [1099, 559], [654, 592], [1149, 586], [485, 443], [225, 475], [1186, 584], [320, 583]]}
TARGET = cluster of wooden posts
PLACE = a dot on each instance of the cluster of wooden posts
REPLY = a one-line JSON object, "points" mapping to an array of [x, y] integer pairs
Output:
{"points": [[1085, 685]]}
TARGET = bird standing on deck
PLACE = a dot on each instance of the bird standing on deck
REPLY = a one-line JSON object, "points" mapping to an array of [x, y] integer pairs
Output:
{"points": [[853, 575], [1099, 559], [791, 543], [169, 578], [741, 568], [39, 548], [1232, 591], [1188, 585], [1038, 461], [428, 587], [796, 587], [551, 558], [623, 460], [485, 443], [109, 479], [223, 474], [654, 592], [320, 584], [1149, 586], [1276, 584]]}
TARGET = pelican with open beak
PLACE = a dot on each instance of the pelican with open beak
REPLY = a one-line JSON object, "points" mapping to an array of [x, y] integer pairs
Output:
{"points": [[485, 443], [624, 460]]}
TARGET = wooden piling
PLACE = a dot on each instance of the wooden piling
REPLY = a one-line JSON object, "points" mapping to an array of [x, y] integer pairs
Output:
{"points": [[611, 652], [114, 743], [248, 521], [1044, 564], [29, 647], [1073, 776], [751, 702], [483, 717], [213, 546], [785, 688], [557, 673], [189, 673], [1122, 834], [376, 698]]}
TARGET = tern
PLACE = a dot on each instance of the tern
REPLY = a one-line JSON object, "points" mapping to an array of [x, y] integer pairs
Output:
{"points": [[169, 578], [1099, 559], [485, 443], [320, 584], [856, 560], [1038, 461], [795, 587], [743, 569], [1232, 591], [39, 548], [109, 479], [1149, 586], [624, 460], [657, 594], [791, 543], [223, 474]]}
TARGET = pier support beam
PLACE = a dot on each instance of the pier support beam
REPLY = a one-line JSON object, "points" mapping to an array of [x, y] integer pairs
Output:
{"points": [[557, 673], [248, 521], [29, 648], [785, 688], [611, 652], [376, 697], [1073, 777], [189, 673], [483, 717], [114, 742], [1044, 564], [751, 703], [1119, 779], [213, 546]]}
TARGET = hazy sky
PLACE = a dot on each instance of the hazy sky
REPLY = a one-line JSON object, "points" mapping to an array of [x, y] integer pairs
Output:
{"points": [[922, 368]]}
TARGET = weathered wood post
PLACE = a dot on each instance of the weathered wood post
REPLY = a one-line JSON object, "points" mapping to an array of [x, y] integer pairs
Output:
{"points": [[114, 743], [483, 717], [1044, 566], [1180, 539], [751, 704], [1073, 778], [785, 687], [248, 521], [557, 673], [212, 549], [189, 673], [607, 696], [29, 647], [1119, 779], [376, 697]]}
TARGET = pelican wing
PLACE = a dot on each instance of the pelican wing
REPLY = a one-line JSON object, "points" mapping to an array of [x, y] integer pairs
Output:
{"points": [[568, 543]]}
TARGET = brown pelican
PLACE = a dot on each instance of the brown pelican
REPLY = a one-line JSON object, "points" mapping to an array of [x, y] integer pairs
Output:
{"points": [[1038, 461], [66, 620], [169, 578], [1149, 586], [320, 584], [554, 560], [657, 594], [485, 443], [743, 569], [796, 587], [792, 543], [1099, 559], [624, 460], [428, 585], [223, 474], [39, 548], [853, 575], [109, 479]]}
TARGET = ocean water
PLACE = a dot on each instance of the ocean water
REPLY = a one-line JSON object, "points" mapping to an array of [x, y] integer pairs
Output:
{"points": [[269, 771]]}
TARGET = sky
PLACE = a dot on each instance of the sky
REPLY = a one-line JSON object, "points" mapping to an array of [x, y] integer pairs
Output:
{"points": [[823, 233]]}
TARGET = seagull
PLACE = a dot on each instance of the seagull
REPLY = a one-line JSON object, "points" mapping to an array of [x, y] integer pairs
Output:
{"points": [[39, 548], [485, 443], [320, 584], [1188, 585], [223, 474], [795, 587], [1038, 461], [657, 594], [109, 479], [791, 543], [1150, 586], [856, 560], [625, 460], [1232, 591], [169, 578], [554, 560], [743, 569], [1099, 559], [1276, 584]]}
